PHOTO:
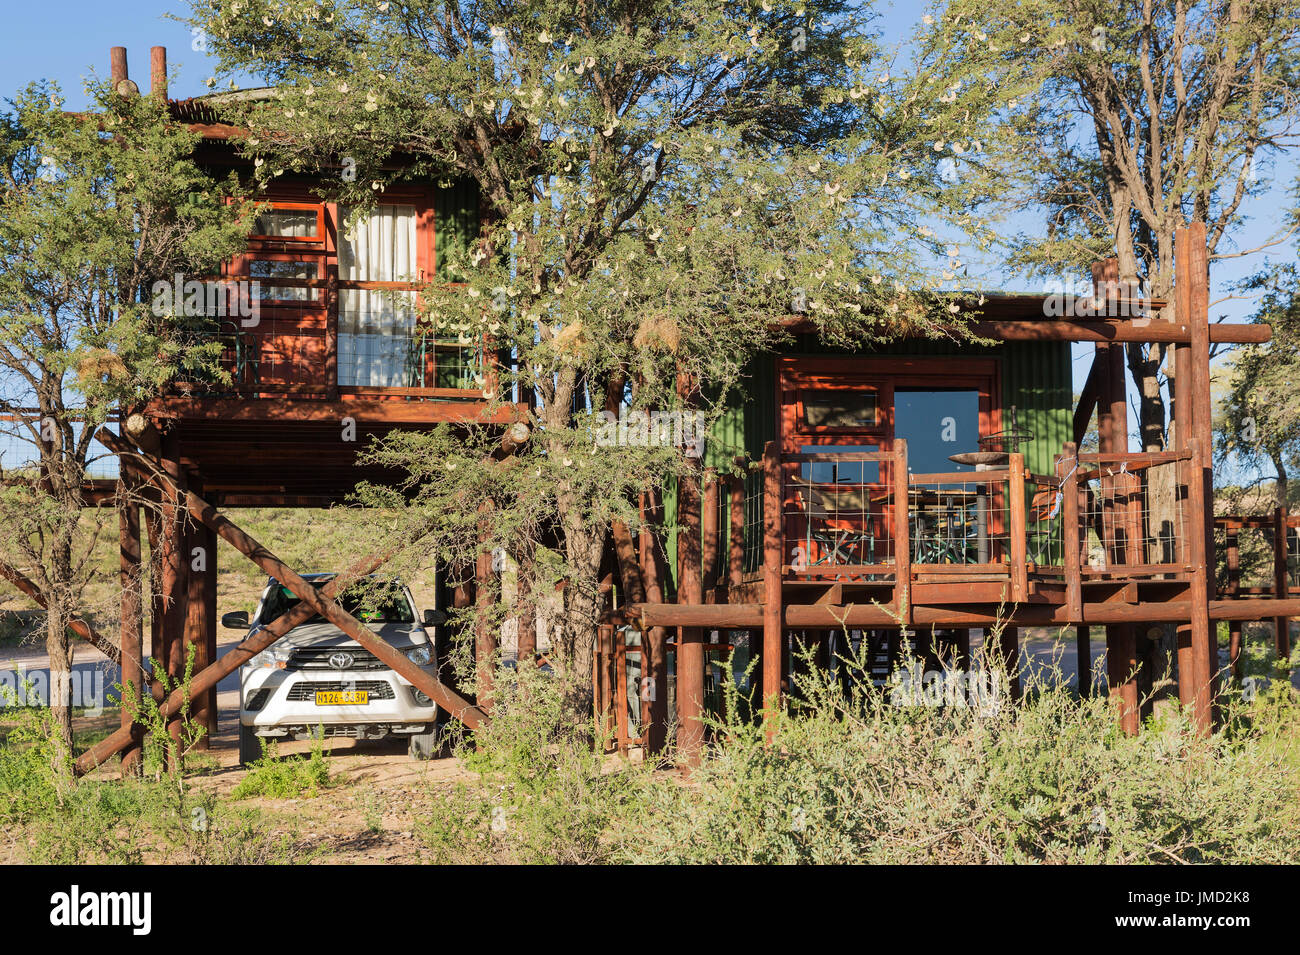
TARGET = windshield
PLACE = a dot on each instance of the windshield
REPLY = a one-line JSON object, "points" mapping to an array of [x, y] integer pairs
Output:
{"points": [[370, 603]]}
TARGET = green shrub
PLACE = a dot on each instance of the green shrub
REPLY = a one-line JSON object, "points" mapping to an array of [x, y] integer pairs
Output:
{"points": [[290, 777], [543, 795], [856, 779]]}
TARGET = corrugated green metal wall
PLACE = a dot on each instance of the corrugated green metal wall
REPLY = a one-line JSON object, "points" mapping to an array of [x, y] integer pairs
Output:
{"points": [[455, 223]]}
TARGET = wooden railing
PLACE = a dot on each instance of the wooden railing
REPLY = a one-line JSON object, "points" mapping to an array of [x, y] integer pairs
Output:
{"points": [[1100, 516], [293, 348]]}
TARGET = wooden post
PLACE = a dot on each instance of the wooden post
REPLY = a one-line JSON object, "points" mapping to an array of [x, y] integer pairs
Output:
{"points": [[175, 577], [200, 554], [1198, 597], [773, 554], [131, 637], [485, 636], [711, 542], [526, 622], [736, 538], [1198, 644], [654, 643], [157, 606], [1234, 591], [1068, 467], [332, 331], [690, 640], [902, 535], [690, 591], [462, 598], [1019, 543], [1281, 584], [603, 692], [1083, 642], [1112, 433], [1183, 428], [1121, 662]]}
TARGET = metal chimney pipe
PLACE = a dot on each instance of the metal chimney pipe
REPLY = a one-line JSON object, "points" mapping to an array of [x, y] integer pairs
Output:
{"points": [[117, 64], [158, 72]]}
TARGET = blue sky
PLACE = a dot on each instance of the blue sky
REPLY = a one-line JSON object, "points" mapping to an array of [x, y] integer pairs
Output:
{"points": [[65, 40]]}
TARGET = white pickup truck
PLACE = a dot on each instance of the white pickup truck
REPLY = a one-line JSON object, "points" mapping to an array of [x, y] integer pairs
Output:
{"points": [[318, 680]]}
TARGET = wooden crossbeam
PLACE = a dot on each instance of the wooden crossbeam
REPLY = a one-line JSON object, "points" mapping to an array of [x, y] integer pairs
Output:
{"points": [[78, 626], [207, 678], [209, 516], [745, 616], [1087, 401], [316, 601]]}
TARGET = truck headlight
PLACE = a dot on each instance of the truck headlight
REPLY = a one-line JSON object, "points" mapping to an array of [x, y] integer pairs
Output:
{"points": [[269, 660], [420, 655]]}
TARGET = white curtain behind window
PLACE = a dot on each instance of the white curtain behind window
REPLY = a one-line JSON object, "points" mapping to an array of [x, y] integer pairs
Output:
{"points": [[376, 329]]}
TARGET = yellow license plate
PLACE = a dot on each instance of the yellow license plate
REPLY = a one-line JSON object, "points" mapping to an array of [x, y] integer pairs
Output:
{"points": [[341, 697]]}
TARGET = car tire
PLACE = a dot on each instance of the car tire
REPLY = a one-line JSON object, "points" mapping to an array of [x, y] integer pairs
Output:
{"points": [[423, 746], [250, 747]]}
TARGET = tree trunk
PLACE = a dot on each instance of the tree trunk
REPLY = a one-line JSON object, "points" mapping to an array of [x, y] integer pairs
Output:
{"points": [[60, 655], [1280, 488], [583, 603]]}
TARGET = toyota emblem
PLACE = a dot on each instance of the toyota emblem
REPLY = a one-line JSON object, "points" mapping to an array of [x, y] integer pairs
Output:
{"points": [[341, 661]]}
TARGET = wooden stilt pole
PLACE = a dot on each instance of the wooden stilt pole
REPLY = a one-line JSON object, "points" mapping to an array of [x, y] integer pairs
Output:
{"points": [[200, 619], [654, 570], [711, 543], [1112, 431], [526, 628], [1198, 644], [175, 577], [773, 634], [1281, 584], [1234, 591], [485, 635], [195, 637], [1009, 649], [1083, 642], [131, 639], [736, 536], [690, 640], [157, 603]]}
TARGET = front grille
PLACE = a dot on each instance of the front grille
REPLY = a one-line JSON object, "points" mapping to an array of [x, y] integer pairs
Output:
{"points": [[306, 691], [318, 658]]}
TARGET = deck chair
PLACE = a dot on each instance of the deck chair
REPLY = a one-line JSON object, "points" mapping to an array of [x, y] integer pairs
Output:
{"points": [[837, 545], [1046, 523]]}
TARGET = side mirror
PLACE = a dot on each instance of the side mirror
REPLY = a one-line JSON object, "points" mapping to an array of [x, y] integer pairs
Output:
{"points": [[235, 621], [434, 618]]}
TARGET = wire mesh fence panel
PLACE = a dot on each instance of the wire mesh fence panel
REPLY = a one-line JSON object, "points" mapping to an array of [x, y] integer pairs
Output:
{"points": [[1132, 514], [837, 514], [1044, 524], [967, 522]]}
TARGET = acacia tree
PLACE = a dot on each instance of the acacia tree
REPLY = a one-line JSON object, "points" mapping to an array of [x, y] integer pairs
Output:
{"points": [[1259, 416], [94, 207], [666, 183], [1130, 119]]}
